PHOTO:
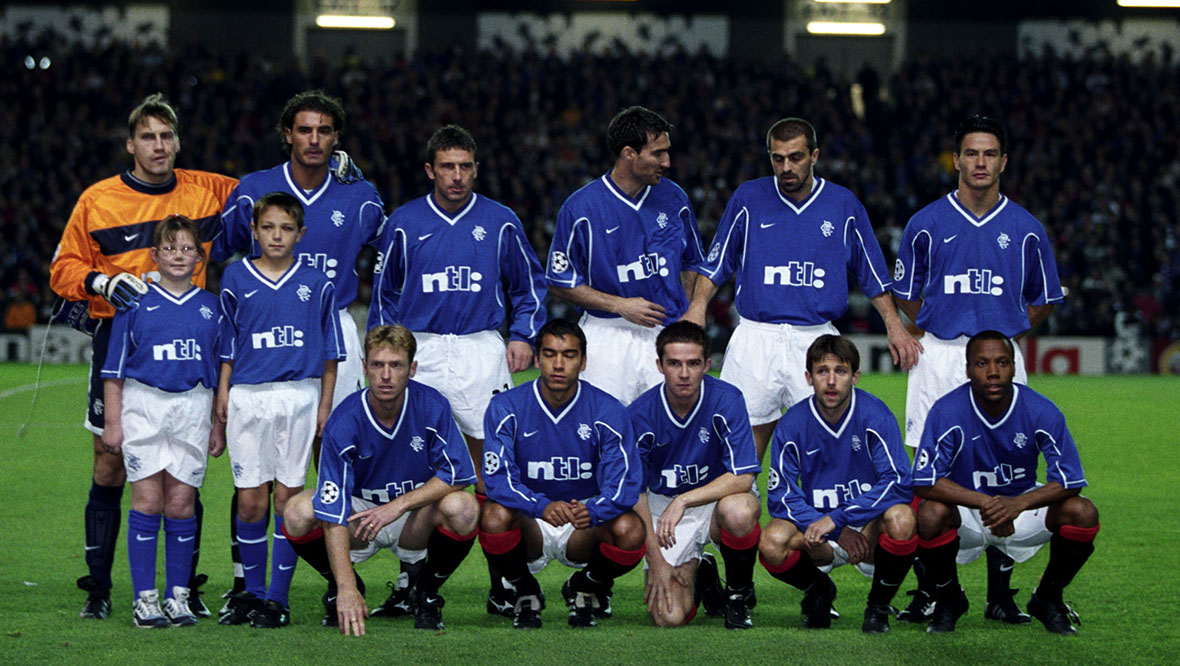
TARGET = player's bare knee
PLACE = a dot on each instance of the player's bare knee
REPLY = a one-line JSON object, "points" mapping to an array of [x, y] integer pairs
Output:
{"points": [[936, 518], [460, 512], [299, 514], [738, 514], [252, 503], [178, 507], [774, 544], [678, 617], [627, 531], [495, 518], [1078, 511], [899, 522], [108, 468]]}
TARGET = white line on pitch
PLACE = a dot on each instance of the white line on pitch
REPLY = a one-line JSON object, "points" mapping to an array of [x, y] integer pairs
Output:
{"points": [[29, 387]]}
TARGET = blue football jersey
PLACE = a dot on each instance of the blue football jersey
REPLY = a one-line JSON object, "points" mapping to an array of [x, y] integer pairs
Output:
{"points": [[963, 444], [680, 455], [975, 273], [851, 472], [627, 247], [168, 342], [444, 273], [585, 452], [362, 458], [339, 219], [277, 331], [790, 261]]}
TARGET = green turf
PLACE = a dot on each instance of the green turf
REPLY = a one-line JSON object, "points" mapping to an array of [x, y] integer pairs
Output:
{"points": [[1126, 428]]}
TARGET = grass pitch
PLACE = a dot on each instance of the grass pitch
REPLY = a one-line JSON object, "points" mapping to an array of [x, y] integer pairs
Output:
{"points": [[1126, 428]]}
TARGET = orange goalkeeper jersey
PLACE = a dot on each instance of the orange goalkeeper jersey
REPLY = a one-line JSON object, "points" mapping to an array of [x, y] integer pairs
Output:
{"points": [[114, 221]]}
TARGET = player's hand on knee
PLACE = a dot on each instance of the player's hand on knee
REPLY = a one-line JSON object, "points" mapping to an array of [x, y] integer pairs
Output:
{"points": [[1000, 509], [122, 291], [855, 544]]}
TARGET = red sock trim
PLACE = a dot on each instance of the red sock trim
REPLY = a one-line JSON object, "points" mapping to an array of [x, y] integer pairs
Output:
{"points": [[481, 498], [457, 537], [627, 558], [500, 542], [896, 547], [743, 542], [317, 533], [1074, 533], [915, 502], [786, 564], [940, 540], [691, 614]]}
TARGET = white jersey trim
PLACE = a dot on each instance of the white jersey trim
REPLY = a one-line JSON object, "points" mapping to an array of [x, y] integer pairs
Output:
{"points": [[307, 200], [275, 285], [193, 291], [672, 414], [976, 221], [847, 415], [441, 213], [817, 186], [1011, 408], [610, 185], [387, 434], [545, 407]]}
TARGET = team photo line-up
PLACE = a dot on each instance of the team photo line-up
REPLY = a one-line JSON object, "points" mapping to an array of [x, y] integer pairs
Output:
{"points": [[624, 449]]}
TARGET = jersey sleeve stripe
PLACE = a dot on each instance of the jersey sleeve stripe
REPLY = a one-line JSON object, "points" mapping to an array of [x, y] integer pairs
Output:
{"points": [[869, 260], [626, 459], [744, 212]]}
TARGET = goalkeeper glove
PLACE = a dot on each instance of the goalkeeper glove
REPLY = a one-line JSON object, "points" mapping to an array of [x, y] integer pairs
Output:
{"points": [[122, 291], [345, 170]]}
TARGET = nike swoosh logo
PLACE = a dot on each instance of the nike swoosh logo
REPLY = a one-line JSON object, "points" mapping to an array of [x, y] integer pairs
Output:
{"points": [[247, 568], [422, 238], [131, 237], [89, 548], [140, 537], [1006, 567], [150, 308], [813, 452], [185, 539], [763, 225], [884, 584], [612, 230], [248, 294], [947, 240], [283, 568], [530, 434]]}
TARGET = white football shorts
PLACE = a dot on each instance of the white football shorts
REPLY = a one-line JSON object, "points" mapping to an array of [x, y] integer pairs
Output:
{"points": [[166, 431], [553, 544], [467, 369], [692, 532], [840, 556], [350, 373], [387, 537], [1029, 535], [269, 431], [620, 356], [766, 362], [941, 368]]}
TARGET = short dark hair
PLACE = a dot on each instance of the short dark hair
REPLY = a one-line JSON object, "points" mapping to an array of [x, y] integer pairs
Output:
{"points": [[634, 126], [167, 229], [789, 128], [981, 124], [284, 202], [682, 331], [835, 345], [311, 100], [152, 106], [560, 328], [448, 137], [990, 335]]}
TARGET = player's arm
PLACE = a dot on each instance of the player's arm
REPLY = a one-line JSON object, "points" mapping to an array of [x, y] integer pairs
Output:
{"points": [[327, 390], [1001, 509], [724, 485], [703, 291], [234, 235], [619, 473], [370, 521], [662, 579], [1037, 314], [501, 475], [636, 309], [389, 282], [221, 400], [784, 496], [910, 309], [902, 346], [526, 294], [74, 273], [715, 270], [893, 479], [112, 428], [351, 610]]}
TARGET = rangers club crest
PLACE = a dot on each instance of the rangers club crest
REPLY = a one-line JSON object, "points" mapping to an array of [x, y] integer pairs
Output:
{"points": [[417, 443], [479, 233], [827, 228], [662, 220], [1020, 440], [491, 463], [206, 312], [584, 431], [856, 442], [338, 218], [704, 435], [898, 270], [1003, 240], [329, 493], [304, 292], [558, 262]]}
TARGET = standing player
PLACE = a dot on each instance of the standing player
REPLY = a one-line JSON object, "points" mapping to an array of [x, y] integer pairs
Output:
{"points": [[159, 376], [102, 258], [454, 262], [280, 343], [976, 472], [838, 484], [790, 242], [698, 466], [562, 476], [624, 250], [970, 261], [391, 474], [341, 212]]}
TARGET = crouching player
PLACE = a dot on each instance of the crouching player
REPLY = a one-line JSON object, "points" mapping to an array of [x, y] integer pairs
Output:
{"points": [[280, 343], [158, 381], [392, 468], [562, 476], [976, 472], [697, 450], [839, 490]]}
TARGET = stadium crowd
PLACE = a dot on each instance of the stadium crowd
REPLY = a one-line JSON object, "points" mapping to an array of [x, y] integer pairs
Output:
{"points": [[1095, 151]]}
